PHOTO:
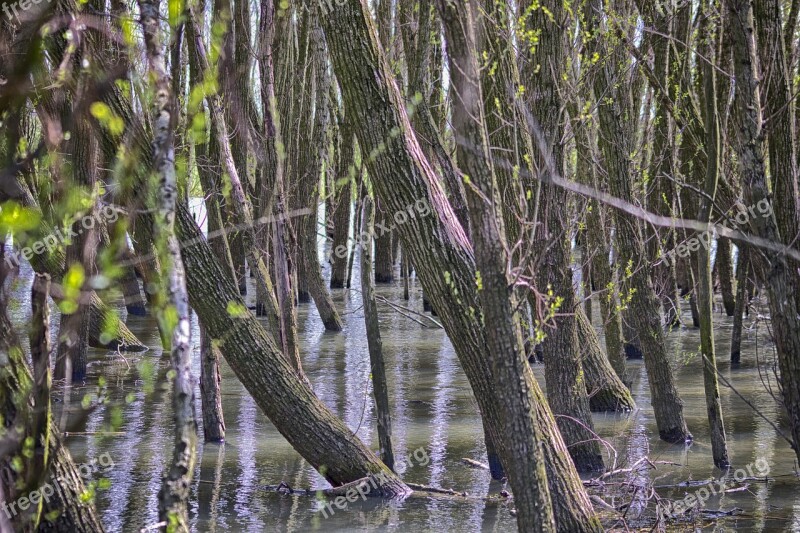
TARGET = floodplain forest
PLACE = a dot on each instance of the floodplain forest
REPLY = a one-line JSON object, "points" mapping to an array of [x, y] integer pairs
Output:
{"points": [[399, 265]]}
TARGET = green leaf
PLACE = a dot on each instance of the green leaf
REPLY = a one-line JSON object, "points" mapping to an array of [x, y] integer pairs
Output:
{"points": [[15, 218]]}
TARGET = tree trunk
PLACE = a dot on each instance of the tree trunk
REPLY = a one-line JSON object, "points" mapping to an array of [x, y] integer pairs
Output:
{"points": [[345, 173], [782, 304], [173, 312], [606, 390], [310, 269], [724, 268], [438, 249], [782, 136], [521, 452], [211, 390], [742, 277], [643, 309], [564, 373], [377, 368], [705, 288]]}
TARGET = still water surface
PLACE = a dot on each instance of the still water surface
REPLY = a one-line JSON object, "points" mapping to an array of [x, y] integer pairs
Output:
{"points": [[433, 413]]}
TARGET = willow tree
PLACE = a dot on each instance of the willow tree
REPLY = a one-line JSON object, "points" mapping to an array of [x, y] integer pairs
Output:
{"points": [[520, 451], [438, 248], [615, 141], [749, 124], [543, 62]]}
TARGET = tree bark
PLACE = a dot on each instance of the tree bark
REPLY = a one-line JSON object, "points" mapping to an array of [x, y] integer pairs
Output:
{"points": [[779, 282], [377, 368], [439, 250], [173, 312], [705, 288], [564, 373], [211, 390], [643, 309], [309, 189], [521, 451]]}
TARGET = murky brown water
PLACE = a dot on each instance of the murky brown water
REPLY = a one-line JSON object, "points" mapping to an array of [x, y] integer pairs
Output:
{"points": [[433, 410]]}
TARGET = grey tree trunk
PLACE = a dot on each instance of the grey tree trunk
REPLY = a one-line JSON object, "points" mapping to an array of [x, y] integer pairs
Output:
{"points": [[377, 368], [521, 451], [742, 279], [705, 289], [643, 309], [779, 279], [564, 373]]}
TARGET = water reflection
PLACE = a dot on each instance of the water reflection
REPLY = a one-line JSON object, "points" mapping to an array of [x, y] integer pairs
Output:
{"points": [[432, 407]]}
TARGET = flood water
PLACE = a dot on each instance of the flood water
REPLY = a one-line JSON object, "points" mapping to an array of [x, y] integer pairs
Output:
{"points": [[434, 421]]}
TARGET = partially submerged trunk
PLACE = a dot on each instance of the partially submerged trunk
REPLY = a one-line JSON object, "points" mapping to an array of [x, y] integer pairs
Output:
{"points": [[438, 249], [377, 368], [643, 310], [65, 510], [173, 312], [785, 319], [564, 372], [521, 449], [308, 257]]}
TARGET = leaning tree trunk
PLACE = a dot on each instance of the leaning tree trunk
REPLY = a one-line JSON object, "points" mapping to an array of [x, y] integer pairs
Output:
{"points": [[66, 510], [521, 451], [377, 367], [749, 122], [605, 389], [438, 249]]}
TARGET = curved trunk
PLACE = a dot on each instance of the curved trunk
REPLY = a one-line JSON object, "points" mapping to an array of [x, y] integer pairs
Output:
{"points": [[606, 390], [438, 249]]}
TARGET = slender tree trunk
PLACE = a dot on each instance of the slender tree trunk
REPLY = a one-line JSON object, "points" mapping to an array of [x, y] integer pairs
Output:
{"points": [[724, 268], [309, 189], [377, 368], [705, 288], [779, 282], [211, 390], [742, 277], [345, 171], [174, 312], [521, 450]]}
